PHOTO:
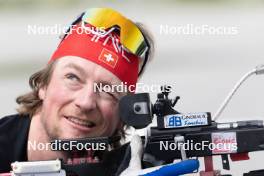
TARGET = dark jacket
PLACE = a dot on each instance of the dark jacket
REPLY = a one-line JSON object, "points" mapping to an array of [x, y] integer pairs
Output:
{"points": [[14, 131]]}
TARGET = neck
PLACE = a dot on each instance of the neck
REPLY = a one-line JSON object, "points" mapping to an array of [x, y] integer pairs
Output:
{"points": [[38, 142]]}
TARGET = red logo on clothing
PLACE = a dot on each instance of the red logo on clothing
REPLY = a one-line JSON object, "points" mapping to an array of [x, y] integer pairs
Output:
{"points": [[108, 57]]}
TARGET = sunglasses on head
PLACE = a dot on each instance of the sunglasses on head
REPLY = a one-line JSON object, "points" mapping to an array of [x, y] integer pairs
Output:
{"points": [[130, 35]]}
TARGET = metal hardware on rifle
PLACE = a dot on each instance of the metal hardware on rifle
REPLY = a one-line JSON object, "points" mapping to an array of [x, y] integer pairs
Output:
{"points": [[165, 142]]}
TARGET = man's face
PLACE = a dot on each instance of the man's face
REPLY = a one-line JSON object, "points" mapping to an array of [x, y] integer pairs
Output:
{"points": [[71, 108]]}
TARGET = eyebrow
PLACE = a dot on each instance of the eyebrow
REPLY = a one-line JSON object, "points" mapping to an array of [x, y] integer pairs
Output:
{"points": [[76, 67]]}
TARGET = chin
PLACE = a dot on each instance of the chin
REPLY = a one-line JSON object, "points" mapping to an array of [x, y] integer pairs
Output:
{"points": [[75, 135]]}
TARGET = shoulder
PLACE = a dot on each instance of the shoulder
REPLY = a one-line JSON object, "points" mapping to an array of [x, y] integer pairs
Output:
{"points": [[13, 127], [13, 122], [13, 139]]}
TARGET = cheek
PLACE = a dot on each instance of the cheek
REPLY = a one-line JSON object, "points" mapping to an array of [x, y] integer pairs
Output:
{"points": [[56, 97], [110, 115]]}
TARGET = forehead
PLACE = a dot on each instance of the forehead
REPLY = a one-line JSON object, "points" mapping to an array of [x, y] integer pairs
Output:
{"points": [[86, 68]]}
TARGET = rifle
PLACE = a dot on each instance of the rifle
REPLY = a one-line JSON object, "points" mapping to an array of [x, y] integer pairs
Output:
{"points": [[183, 136], [174, 131]]}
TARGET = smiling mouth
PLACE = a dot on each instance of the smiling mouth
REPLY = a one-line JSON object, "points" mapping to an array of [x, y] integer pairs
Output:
{"points": [[84, 123]]}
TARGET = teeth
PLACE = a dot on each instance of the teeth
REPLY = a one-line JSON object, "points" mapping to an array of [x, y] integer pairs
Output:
{"points": [[81, 122]]}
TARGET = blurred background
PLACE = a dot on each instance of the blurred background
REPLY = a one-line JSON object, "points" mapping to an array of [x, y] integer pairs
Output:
{"points": [[202, 49]]}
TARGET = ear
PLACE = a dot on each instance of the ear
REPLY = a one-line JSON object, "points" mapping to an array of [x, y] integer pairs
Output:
{"points": [[42, 93]]}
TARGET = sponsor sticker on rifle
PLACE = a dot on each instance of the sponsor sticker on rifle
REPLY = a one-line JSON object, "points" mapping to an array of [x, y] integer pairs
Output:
{"points": [[186, 120], [224, 143]]}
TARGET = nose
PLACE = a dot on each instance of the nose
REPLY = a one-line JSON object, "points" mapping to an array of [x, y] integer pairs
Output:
{"points": [[86, 98]]}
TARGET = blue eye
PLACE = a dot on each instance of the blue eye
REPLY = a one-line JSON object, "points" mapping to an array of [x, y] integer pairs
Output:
{"points": [[73, 77]]}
